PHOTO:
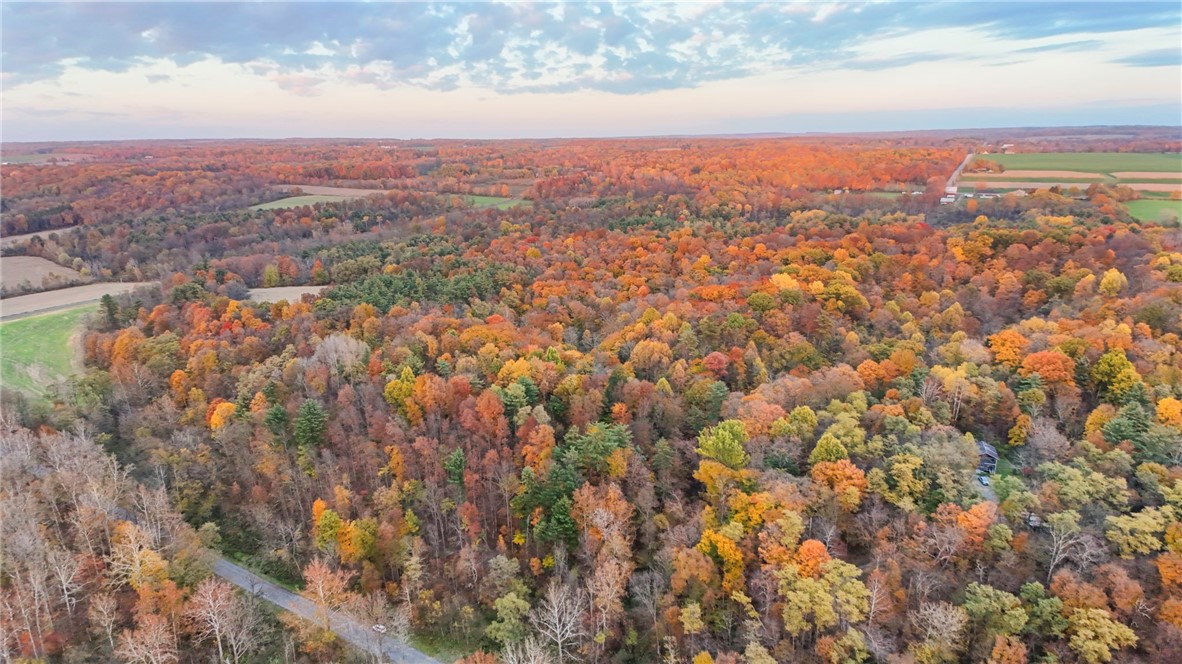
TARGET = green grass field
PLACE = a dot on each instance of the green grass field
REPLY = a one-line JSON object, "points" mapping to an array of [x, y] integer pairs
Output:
{"points": [[22, 158], [1153, 209], [35, 352], [1091, 162], [497, 202], [297, 201]]}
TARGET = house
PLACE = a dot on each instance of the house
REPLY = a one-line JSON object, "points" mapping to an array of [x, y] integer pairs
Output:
{"points": [[986, 458]]}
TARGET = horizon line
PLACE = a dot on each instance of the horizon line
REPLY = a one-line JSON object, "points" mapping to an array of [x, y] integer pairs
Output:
{"points": [[753, 135]]}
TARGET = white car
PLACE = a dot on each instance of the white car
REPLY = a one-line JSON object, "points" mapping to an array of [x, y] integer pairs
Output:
{"points": [[380, 629], [983, 480]]}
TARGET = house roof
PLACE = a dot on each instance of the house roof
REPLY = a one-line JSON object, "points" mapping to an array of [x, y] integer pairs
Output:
{"points": [[986, 449]]}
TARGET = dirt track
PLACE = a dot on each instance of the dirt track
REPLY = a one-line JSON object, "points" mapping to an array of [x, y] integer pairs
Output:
{"points": [[16, 307]]}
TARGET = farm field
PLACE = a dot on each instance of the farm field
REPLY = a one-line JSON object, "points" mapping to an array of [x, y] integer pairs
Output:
{"points": [[37, 350], [1151, 209], [25, 305], [1046, 184], [15, 270], [1092, 162], [311, 194], [1146, 172], [298, 201], [319, 190], [61, 157]]}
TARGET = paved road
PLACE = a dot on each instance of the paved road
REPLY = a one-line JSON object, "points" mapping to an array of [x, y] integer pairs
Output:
{"points": [[63, 298], [358, 635]]}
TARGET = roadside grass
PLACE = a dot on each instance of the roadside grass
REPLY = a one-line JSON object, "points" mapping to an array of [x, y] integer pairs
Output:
{"points": [[35, 352], [253, 564], [1092, 162], [1155, 209], [447, 646], [298, 201]]}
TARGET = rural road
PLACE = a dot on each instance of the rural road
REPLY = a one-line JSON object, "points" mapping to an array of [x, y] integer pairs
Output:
{"points": [[959, 169], [358, 635], [63, 298]]}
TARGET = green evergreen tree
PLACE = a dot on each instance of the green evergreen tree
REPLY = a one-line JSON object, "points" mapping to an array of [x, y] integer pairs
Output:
{"points": [[310, 425]]}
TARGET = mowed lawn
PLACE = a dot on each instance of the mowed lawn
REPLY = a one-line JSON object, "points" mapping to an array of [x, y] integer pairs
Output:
{"points": [[35, 352], [299, 201], [1155, 209], [1092, 162]]}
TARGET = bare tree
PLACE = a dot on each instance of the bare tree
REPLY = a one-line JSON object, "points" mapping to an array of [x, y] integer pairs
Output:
{"points": [[1064, 530], [647, 588], [1045, 443], [246, 630], [941, 622], [151, 642], [878, 596], [529, 651], [218, 611], [559, 617], [209, 609], [63, 566]]}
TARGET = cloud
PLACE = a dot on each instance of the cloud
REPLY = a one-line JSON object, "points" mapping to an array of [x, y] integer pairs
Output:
{"points": [[1072, 46], [1166, 57], [514, 47]]}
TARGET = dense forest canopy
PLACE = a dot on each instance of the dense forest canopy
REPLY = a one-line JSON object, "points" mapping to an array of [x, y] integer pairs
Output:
{"points": [[686, 405]]}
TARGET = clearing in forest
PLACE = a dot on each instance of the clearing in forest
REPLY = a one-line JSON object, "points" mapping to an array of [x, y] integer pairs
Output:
{"points": [[1155, 209], [498, 202]]}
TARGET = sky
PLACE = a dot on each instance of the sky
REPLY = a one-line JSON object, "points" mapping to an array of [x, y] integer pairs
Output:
{"points": [[106, 70]]}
